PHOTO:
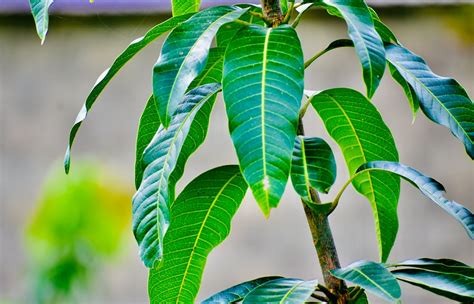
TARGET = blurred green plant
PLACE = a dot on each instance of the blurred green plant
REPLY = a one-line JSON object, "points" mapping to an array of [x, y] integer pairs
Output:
{"points": [[80, 221]]}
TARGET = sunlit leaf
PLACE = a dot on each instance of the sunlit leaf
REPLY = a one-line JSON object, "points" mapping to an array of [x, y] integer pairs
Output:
{"points": [[184, 55], [313, 165], [367, 41], [356, 125], [134, 47], [161, 157], [447, 278], [429, 187], [181, 7], [441, 99], [263, 87], [371, 276], [39, 10], [200, 220]]}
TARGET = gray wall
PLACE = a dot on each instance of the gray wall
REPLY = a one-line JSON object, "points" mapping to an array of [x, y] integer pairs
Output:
{"points": [[42, 88]]}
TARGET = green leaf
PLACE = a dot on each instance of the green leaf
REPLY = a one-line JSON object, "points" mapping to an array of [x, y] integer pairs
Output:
{"points": [[39, 10], [182, 7], [429, 187], [161, 157], [371, 276], [361, 297], [212, 72], [282, 290], [367, 41], [313, 165], [184, 55], [200, 220], [409, 92], [263, 86], [441, 99], [238, 292], [384, 31], [356, 125], [136, 46], [147, 127], [448, 278]]}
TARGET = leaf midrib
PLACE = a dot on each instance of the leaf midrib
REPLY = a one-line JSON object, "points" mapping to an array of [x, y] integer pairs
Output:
{"points": [[375, 283], [305, 169], [200, 232]]}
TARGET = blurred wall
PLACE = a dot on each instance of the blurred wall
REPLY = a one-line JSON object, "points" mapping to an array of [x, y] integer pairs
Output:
{"points": [[43, 87]]}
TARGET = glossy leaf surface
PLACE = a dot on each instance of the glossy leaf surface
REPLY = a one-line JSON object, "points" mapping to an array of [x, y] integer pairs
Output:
{"points": [[263, 87], [212, 72], [152, 200], [448, 278], [371, 276], [357, 127], [134, 47], [39, 10], [429, 187], [282, 290], [367, 41], [237, 292], [407, 88], [200, 220], [184, 55], [441, 99], [313, 165], [147, 127], [182, 7]]}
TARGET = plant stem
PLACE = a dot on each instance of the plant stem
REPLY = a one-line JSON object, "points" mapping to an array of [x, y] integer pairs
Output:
{"points": [[272, 12], [324, 244]]}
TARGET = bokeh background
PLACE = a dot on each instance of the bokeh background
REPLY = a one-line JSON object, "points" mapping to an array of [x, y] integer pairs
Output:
{"points": [[43, 87]]}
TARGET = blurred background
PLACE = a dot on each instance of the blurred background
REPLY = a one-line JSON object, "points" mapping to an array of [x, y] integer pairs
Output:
{"points": [[46, 217]]}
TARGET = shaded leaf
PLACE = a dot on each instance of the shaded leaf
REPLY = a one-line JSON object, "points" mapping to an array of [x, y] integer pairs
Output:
{"points": [[384, 31], [212, 72], [184, 55], [182, 7], [282, 290], [39, 10], [136, 46], [263, 87], [367, 41], [409, 92], [360, 299], [441, 99], [444, 277], [357, 127], [200, 220], [371, 276], [161, 157], [237, 292], [313, 165], [147, 127], [429, 187]]}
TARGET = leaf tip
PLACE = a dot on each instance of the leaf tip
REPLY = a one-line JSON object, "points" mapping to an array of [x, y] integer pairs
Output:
{"points": [[67, 160]]}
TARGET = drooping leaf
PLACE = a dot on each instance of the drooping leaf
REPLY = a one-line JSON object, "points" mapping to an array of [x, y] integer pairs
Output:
{"points": [[367, 41], [332, 46], [182, 7], [429, 187], [282, 290], [441, 99], [212, 72], [152, 199], [238, 292], [136, 46], [356, 125], [200, 220], [313, 165], [371, 276], [147, 127], [409, 92], [184, 55], [448, 278], [39, 10], [263, 87]]}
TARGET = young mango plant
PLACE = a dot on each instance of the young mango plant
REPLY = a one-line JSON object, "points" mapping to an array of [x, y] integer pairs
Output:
{"points": [[252, 54]]}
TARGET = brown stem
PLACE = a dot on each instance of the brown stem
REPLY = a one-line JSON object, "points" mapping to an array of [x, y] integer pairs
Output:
{"points": [[324, 244], [272, 12]]}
